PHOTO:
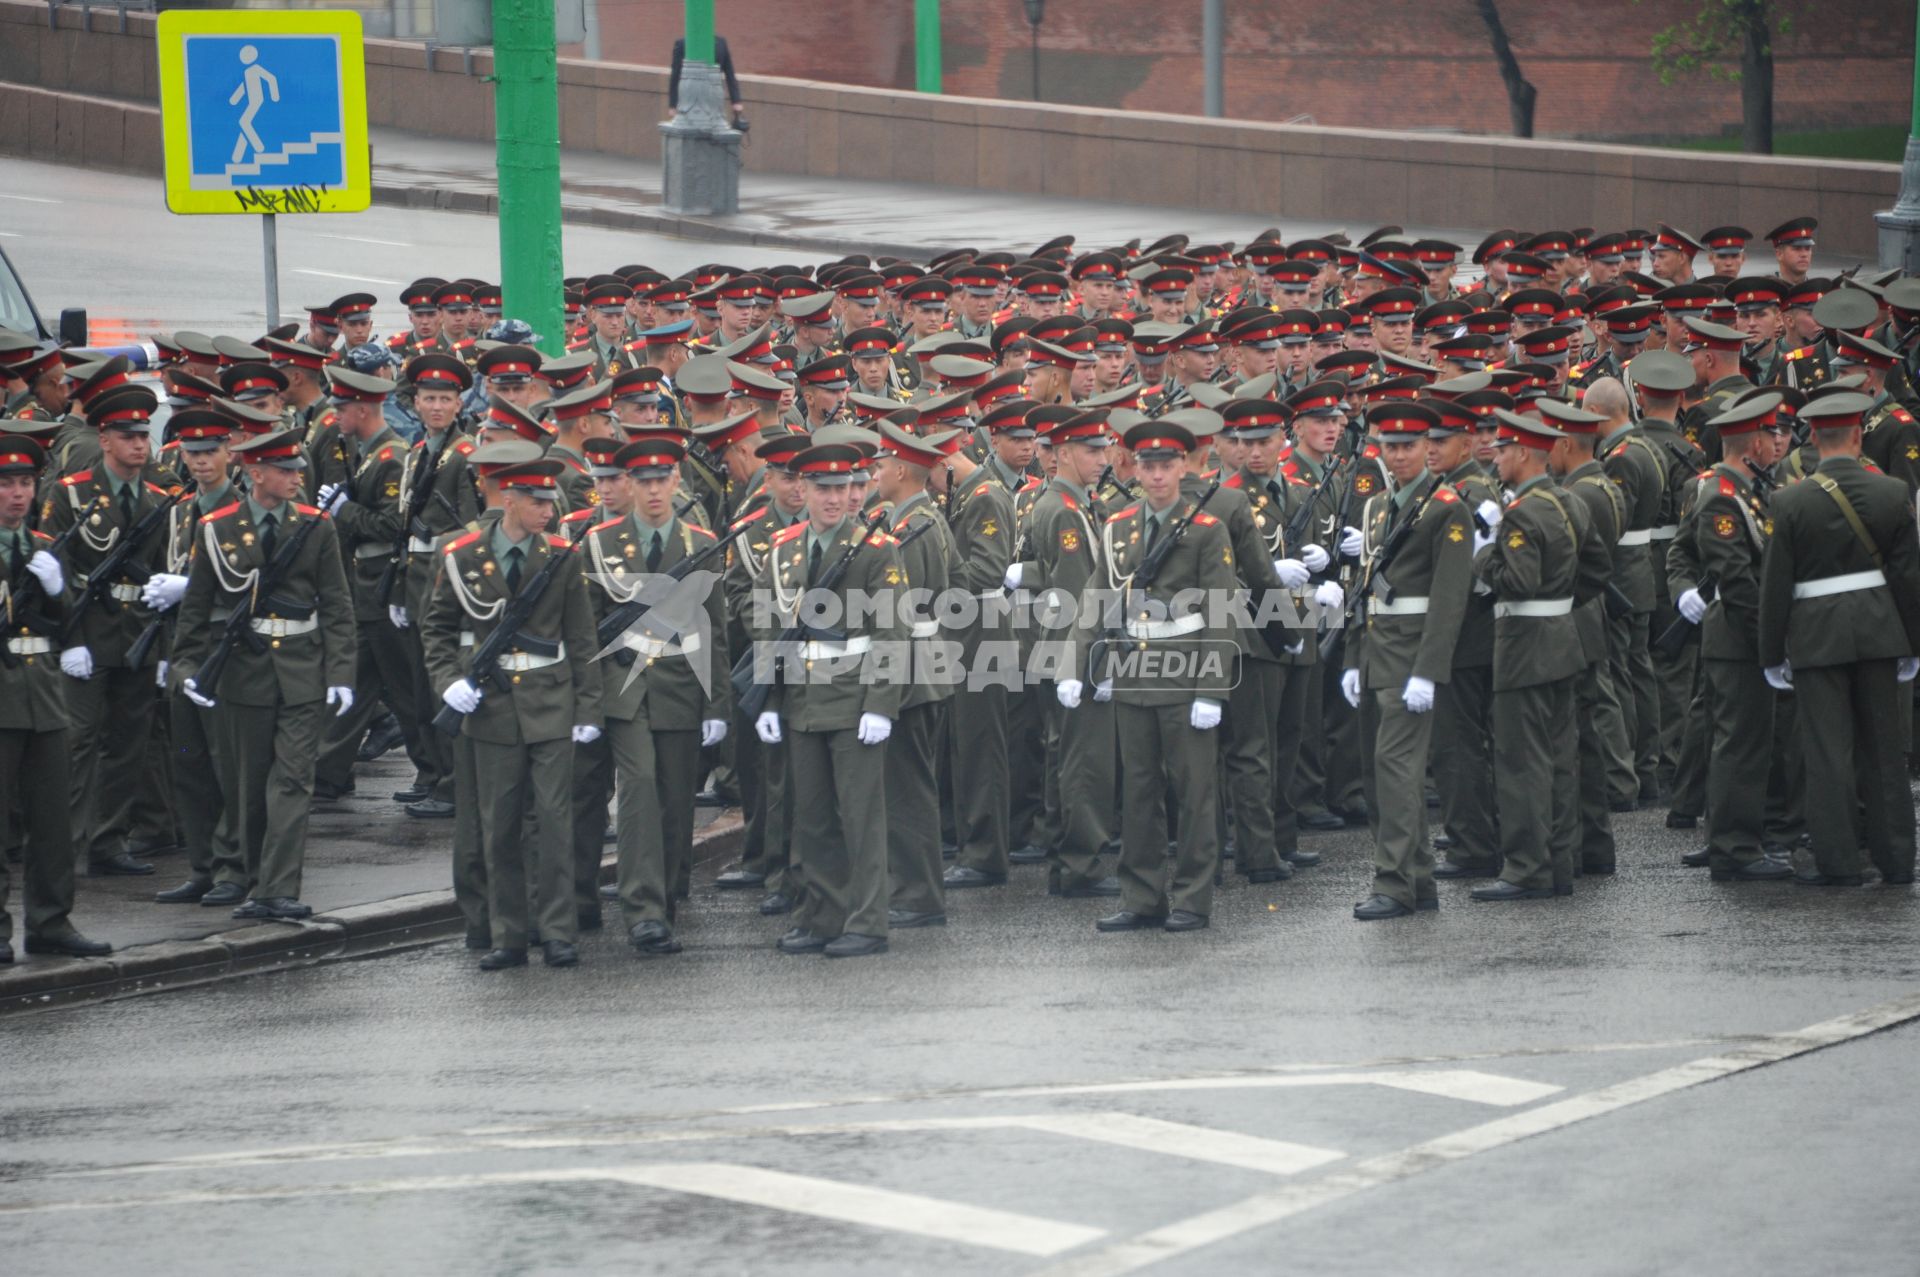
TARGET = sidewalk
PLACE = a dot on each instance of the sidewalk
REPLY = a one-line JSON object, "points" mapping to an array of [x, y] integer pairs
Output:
{"points": [[813, 215], [376, 878]]}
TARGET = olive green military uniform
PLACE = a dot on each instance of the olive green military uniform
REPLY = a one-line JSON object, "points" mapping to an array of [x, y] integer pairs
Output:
{"points": [[1160, 749], [1675, 675], [208, 830], [110, 713], [1843, 611], [654, 702], [269, 713], [1030, 819], [1064, 563], [1461, 750], [840, 828], [1725, 533], [765, 798], [576, 480], [1415, 608], [982, 521], [1892, 441], [1596, 708], [1531, 567], [912, 776], [35, 755], [1638, 468], [548, 684], [1718, 397], [449, 502]]}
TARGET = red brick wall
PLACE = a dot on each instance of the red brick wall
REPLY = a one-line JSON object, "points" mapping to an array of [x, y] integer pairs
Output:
{"points": [[1393, 64]]}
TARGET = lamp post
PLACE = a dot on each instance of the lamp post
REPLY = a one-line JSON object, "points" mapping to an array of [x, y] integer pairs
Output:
{"points": [[1036, 11], [926, 45], [1213, 21], [1900, 225], [526, 112], [700, 148]]}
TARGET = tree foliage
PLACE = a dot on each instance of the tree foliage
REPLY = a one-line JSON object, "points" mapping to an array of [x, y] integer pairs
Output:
{"points": [[1714, 39]]}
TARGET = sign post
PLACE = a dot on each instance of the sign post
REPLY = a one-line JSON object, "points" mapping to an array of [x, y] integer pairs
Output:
{"points": [[264, 112]]}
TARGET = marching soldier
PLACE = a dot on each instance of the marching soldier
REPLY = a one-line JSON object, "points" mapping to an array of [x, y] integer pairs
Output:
{"points": [[35, 755], [543, 698], [280, 560], [1839, 623]]}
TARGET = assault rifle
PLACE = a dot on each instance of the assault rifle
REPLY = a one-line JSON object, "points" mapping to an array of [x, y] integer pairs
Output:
{"points": [[239, 626]]}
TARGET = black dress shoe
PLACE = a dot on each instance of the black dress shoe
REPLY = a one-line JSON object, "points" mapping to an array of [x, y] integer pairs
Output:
{"points": [[1185, 920], [776, 903], [501, 959], [1681, 820], [327, 792], [1598, 871], [1764, 869], [139, 847], [962, 876], [740, 880], [1301, 859], [1432, 796], [1127, 920], [559, 953], [949, 850], [1278, 873], [120, 865], [1799, 879], [68, 944], [854, 945], [653, 939], [1355, 814], [590, 919], [224, 895], [1897, 879], [381, 739], [1107, 886], [1028, 855], [1443, 842], [1699, 859], [479, 938], [1622, 805], [1498, 891], [1377, 908], [1321, 821], [185, 894], [610, 891], [797, 942], [279, 908], [6, 952], [411, 794], [1454, 869], [1562, 888], [901, 919], [430, 809]]}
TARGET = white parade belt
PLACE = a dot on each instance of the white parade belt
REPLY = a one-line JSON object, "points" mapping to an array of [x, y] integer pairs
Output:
{"points": [[654, 648], [1533, 607], [824, 650], [1639, 536], [1177, 627], [373, 550], [1666, 532], [419, 545], [275, 627], [923, 629], [29, 646], [124, 592], [1847, 583], [1399, 607], [518, 661]]}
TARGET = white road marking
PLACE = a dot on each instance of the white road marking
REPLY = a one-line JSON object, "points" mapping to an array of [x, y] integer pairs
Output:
{"points": [[1261, 1209], [363, 239], [30, 199], [1455, 1084], [360, 279], [775, 1190], [9, 234]]}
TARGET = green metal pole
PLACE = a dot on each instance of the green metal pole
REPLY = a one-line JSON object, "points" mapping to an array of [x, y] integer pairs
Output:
{"points": [[926, 45], [699, 30], [526, 119], [1914, 130]]}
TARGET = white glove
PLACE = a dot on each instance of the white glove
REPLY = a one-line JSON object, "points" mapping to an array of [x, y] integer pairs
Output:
{"points": [[1350, 687], [712, 732], [1067, 692], [162, 590], [585, 734], [1329, 595], [767, 728], [160, 676], [1014, 573], [76, 662], [1780, 676], [1292, 572], [331, 497], [1314, 557], [52, 579], [874, 728], [1906, 668], [1205, 716], [1418, 695], [1352, 542], [341, 696], [398, 615], [1481, 540], [463, 697], [1691, 606], [1103, 691], [1490, 514], [192, 689]]}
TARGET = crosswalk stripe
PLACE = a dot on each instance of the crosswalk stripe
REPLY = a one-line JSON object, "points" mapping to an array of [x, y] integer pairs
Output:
{"points": [[1455, 1084]]}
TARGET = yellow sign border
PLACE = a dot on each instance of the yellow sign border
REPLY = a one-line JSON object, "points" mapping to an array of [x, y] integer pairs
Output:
{"points": [[352, 196]]}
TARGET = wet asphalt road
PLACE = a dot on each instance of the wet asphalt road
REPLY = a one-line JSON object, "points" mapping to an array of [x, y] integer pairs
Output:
{"points": [[936, 1109]]}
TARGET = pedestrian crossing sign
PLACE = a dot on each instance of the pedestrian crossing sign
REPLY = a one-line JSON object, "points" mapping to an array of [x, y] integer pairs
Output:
{"points": [[264, 111]]}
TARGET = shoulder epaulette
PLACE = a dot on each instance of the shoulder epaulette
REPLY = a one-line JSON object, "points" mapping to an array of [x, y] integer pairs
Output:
{"points": [[788, 533], [1801, 353], [1371, 451], [747, 520], [1066, 499], [579, 345], [43, 536], [984, 485], [880, 538], [584, 512], [74, 480], [312, 512], [223, 511], [386, 453], [156, 490], [396, 341], [1901, 414], [1234, 480], [461, 543], [638, 343], [1127, 513], [610, 523], [1445, 495], [556, 542], [1728, 488], [464, 446], [1204, 519], [1032, 482], [700, 531]]}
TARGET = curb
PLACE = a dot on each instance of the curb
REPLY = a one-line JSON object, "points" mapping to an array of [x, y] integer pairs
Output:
{"points": [[678, 226], [351, 931]]}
